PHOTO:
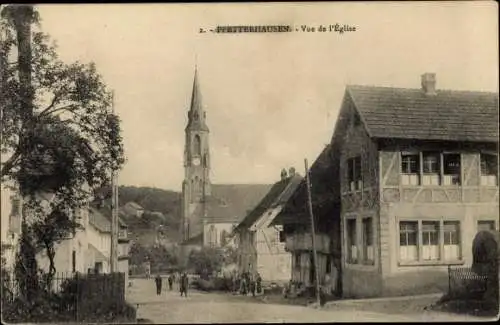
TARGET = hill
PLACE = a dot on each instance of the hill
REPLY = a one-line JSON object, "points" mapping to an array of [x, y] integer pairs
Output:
{"points": [[162, 207]]}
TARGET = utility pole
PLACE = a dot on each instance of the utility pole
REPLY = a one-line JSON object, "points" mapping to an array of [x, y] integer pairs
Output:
{"points": [[114, 212], [313, 233]]}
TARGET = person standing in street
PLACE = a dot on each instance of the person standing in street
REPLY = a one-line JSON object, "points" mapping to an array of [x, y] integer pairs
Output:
{"points": [[258, 284], [158, 281], [253, 284], [184, 284], [170, 281]]}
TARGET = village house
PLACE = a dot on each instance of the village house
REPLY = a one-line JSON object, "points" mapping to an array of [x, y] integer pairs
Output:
{"points": [[99, 236], [133, 209], [260, 246], [86, 249], [418, 175], [295, 219]]}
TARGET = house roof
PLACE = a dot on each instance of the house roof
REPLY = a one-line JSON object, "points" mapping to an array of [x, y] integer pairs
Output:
{"points": [[101, 219], [134, 205], [411, 114], [322, 177], [279, 194]]}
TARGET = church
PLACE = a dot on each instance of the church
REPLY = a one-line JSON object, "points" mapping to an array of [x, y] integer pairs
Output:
{"points": [[209, 211]]}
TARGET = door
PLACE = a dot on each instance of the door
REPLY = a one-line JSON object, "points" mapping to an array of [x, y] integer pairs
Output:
{"points": [[98, 267]]}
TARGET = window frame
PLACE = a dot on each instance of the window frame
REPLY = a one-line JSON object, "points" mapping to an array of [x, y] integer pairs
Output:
{"points": [[486, 220], [427, 169], [350, 241], [354, 174], [364, 242], [441, 243], [483, 165]]}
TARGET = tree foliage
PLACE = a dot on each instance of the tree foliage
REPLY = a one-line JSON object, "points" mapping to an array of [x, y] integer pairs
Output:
{"points": [[59, 134], [159, 256], [71, 129], [211, 259]]}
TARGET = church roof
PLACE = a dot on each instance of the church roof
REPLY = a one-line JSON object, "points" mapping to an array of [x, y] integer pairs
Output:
{"points": [[230, 203]]}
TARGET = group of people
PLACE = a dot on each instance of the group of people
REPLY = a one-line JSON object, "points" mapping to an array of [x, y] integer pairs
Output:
{"points": [[172, 278], [247, 282]]}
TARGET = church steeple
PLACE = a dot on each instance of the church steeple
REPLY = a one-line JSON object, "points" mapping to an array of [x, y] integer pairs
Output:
{"points": [[196, 114], [196, 185]]}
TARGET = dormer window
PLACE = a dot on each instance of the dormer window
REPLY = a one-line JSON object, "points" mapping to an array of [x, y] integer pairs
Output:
{"points": [[489, 169]]}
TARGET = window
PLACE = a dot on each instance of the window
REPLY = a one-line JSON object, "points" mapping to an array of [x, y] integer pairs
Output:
{"points": [[436, 168], [351, 241], [282, 236], [354, 173], [410, 169], [451, 169], [368, 257], [485, 225], [197, 145], [211, 236], [430, 240], [73, 261], [451, 233], [431, 168], [16, 207], [408, 248], [489, 169]]}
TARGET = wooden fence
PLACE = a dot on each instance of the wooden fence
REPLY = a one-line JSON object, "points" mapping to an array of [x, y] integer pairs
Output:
{"points": [[85, 286]]}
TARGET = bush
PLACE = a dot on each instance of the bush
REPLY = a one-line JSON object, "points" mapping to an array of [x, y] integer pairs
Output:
{"points": [[106, 311]]}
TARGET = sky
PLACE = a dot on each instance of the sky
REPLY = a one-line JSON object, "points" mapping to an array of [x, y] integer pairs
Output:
{"points": [[271, 99]]}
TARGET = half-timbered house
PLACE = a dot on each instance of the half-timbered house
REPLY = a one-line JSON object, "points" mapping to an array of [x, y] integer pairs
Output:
{"points": [[261, 246], [418, 179]]}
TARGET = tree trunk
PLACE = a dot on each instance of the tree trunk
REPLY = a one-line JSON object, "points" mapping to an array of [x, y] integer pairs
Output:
{"points": [[22, 17], [51, 253]]}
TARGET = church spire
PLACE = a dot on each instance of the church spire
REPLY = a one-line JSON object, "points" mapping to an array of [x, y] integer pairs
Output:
{"points": [[196, 113]]}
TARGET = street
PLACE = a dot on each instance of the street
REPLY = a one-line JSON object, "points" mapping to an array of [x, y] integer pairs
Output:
{"points": [[202, 307]]}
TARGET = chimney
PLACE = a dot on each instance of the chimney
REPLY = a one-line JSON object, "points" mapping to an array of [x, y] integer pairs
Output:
{"points": [[429, 83], [291, 172], [283, 174]]}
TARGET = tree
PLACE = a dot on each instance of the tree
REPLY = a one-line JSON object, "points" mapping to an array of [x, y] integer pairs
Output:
{"points": [[206, 261], [57, 127]]}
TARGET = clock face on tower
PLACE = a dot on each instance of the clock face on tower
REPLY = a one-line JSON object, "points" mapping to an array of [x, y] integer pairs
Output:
{"points": [[196, 161]]}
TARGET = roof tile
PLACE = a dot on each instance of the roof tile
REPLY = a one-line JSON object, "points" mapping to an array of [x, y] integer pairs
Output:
{"points": [[410, 114]]}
